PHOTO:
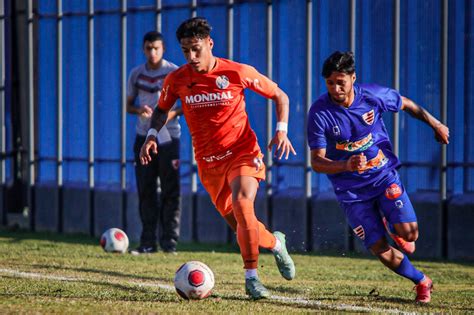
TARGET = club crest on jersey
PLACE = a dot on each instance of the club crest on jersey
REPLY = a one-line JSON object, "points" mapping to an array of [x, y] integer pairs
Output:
{"points": [[336, 131], [359, 231], [222, 82], [369, 117], [399, 204], [393, 191]]}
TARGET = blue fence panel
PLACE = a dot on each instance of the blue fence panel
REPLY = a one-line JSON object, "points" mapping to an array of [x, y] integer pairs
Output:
{"points": [[75, 95], [469, 93], [456, 95], [107, 50], [9, 175], [419, 77], [290, 49], [420, 81], [330, 33], [47, 97], [138, 23], [250, 38]]}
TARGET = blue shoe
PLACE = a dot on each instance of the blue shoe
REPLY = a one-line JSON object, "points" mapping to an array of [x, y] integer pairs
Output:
{"points": [[285, 264], [255, 289]]}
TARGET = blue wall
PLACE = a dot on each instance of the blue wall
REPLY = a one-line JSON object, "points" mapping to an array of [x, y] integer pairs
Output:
{"points": [[419, 78]]}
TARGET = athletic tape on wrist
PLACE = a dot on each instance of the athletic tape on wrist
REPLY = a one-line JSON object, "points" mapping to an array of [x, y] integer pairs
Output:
{"points": [[282, 126], [152, 132]]}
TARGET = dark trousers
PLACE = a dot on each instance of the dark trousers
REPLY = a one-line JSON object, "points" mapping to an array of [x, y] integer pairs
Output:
{"points": [[164, 211]]}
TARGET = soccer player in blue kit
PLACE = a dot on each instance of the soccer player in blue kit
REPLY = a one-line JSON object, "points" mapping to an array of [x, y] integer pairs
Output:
{"points": [[349, 142]]}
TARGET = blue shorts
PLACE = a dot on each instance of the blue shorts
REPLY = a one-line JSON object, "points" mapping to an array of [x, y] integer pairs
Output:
{"points": [[365, 207]]}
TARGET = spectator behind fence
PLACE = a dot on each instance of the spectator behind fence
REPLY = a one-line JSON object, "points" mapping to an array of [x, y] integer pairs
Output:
{"points": [[143, 91]]}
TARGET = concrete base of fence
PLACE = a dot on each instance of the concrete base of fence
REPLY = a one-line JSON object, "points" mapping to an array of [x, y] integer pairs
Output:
{"points": [[289, 212], [46, 208], [428, 211], [460, 218], [133, 223], [289, 215], [107, 210], [329, 229], [186, 222], [210, 226], [76, 210], [3, 210]]}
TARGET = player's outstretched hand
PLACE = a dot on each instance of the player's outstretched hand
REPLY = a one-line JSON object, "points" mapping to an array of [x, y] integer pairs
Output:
{"points": [[356, 162], [150, 144], [441, 133], [283, 145]]}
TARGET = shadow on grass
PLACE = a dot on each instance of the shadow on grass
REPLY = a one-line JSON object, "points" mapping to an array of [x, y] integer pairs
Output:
{"points": [[18, 235], [104, 272], [132, 289]]}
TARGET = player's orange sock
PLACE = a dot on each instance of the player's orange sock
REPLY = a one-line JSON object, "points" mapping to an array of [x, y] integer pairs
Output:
{"points": [[265, 238], [247, 232]]}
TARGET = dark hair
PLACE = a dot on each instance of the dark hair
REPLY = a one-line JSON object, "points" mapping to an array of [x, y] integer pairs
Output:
{"points": [[195, 27], [339, 62], [153, 36]]}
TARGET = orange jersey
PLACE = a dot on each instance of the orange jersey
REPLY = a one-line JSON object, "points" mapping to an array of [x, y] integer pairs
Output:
{"points": [[214, 107]]}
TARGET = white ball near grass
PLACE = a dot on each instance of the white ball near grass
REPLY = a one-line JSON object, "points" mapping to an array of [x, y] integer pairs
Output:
{"points": [[194, 280], [114, 241]]}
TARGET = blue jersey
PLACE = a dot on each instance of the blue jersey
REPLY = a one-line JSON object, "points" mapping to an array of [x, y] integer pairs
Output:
{"points": [[359, 128]]}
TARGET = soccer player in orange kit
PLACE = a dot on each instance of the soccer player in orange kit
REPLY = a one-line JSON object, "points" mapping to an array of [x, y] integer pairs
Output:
{"points": [[228, 156]]}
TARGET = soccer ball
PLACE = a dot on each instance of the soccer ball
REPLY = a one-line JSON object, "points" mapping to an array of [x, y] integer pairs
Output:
{"points": [[114, 241], [194, 280]]}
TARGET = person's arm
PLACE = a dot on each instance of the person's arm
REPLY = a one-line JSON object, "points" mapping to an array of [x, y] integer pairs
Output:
{"points": [[144, 110], [441, 131], [280, 139], [172, 114], [158, 120], [321, 164]]}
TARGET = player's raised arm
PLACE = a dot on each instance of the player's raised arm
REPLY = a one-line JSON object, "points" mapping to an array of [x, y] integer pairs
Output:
{"points": [[441, 131], [280, 139], [321, 164]]}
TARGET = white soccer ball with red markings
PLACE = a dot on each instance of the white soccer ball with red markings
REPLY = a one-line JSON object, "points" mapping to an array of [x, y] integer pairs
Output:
{"points": [[194, 280], [114, 241]]}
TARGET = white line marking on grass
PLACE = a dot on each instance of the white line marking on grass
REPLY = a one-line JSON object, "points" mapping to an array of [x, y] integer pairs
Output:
{"points": [[285, 299]]}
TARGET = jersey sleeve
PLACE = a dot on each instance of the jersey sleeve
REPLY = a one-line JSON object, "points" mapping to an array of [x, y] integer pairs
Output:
{"points": [[389, 99], [316, 131], [167, 96], [257, 82]]}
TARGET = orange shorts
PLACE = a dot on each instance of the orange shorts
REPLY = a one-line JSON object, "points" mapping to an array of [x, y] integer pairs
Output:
{"points": [[217, 180]]}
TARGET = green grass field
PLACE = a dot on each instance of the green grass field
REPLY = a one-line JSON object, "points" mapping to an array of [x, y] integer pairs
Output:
{"points": [[49, 273]]}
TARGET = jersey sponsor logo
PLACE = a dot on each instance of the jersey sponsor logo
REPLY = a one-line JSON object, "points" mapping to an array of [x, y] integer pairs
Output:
{"points": [[212, 158], [393, 191], [222, 82], [369, 117], [359, 231], [209, 98], [336, 131], [377, 162], [360, 145]]}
